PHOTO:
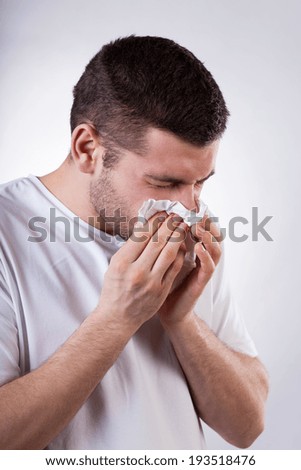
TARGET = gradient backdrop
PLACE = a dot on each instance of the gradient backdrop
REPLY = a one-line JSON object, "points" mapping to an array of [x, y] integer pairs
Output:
{"points": [[253, 50]]}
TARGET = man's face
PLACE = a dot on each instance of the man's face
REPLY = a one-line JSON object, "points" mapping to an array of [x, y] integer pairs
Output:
{"points": [[170, 169]]}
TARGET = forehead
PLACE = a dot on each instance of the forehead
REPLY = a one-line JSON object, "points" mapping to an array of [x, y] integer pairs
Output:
{"points": [[169, 155]]}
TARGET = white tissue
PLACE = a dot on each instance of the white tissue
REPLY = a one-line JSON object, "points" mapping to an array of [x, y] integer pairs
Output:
{"points": [[151, 206]]}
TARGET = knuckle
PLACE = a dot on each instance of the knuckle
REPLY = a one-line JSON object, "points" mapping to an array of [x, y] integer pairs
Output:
{"points": [[119, 265], [154, 284], [136, 277]]}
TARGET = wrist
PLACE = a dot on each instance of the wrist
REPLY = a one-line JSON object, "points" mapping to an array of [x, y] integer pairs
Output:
{"points": [[171, 323], [115, 322]]}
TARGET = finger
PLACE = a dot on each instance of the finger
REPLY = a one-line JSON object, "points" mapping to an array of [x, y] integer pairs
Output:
{"points": [[208, 225], [142, 233], [165, 234], [170, 250], [212, 246], [207, 266], [174, 268], [199, 276], [212, 227]]}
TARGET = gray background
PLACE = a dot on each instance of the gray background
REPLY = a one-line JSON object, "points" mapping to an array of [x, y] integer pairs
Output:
{"points": [[253, 50]]}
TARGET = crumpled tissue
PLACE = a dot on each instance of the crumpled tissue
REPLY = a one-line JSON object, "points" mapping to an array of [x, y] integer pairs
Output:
{"points": [[152, 206]]}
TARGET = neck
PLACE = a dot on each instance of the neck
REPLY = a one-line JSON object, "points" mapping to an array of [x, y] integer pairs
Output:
{"points": [[72, 188]]}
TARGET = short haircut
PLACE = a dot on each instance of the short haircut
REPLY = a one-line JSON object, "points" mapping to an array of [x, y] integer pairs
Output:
{"points": [[134, 83]]}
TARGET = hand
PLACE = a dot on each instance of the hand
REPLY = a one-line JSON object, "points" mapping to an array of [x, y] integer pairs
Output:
{"points": [[142, 272], [181, 301]]}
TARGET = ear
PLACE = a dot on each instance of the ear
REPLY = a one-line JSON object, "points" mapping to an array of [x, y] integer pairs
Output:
{"points": [[85, 147]]}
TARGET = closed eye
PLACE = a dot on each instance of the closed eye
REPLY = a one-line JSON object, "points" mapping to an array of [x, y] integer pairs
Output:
{"points": [[167, 186], [171, 182], [198, 184]]}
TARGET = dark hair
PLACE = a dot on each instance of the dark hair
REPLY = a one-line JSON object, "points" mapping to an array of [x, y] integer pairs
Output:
{"points": [[138, 82]]}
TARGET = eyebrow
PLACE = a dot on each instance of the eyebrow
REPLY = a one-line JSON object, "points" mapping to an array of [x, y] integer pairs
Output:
{"points": [[171, 179]]}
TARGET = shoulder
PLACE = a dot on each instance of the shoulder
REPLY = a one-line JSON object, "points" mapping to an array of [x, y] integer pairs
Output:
{"points": [[17, 194], [19, 200], [16, 188], [12, 192]]}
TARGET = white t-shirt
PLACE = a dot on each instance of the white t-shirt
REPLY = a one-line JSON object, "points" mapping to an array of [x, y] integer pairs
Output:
{"points": [[47, 289]]}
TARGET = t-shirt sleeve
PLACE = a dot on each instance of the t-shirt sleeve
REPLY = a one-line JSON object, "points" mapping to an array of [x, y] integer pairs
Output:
{"points": [[221, 312], [9, 348]]}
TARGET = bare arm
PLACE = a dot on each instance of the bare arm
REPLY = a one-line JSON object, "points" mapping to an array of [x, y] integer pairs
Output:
{"points": [[228, 388], [36, 407]]}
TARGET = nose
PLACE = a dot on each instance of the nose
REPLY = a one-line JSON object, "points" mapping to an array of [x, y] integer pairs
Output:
{"points": [[189, 197]]}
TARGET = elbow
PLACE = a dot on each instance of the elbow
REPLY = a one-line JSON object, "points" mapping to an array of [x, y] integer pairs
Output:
{"points": [[254, 422], [250, 432], [247, 440]]}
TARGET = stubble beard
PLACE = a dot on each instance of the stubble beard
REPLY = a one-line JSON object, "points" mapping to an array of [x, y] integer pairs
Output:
{"points": [[110, 206]]}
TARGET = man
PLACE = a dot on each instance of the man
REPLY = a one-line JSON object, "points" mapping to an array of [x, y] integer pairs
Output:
{"points": [[98, 349]]}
